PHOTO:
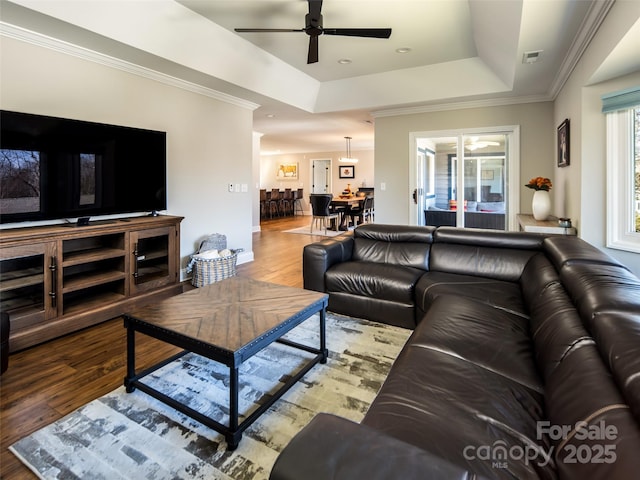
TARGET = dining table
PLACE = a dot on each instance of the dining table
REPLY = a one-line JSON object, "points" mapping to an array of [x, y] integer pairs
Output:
{"points": [[347, 203]]}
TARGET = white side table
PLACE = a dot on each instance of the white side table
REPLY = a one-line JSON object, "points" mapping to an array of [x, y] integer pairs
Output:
{"points": [[529, 224]]}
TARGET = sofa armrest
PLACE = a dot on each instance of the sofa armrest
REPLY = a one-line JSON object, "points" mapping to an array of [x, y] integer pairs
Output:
{"points": [[335, 448], [318, 257]]}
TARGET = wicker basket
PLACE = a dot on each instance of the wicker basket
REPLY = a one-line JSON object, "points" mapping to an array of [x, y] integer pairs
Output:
{"points": [[210, 270]]}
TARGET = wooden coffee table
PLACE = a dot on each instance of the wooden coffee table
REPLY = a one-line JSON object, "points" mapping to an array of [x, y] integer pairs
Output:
{"points": [[229, 322]]}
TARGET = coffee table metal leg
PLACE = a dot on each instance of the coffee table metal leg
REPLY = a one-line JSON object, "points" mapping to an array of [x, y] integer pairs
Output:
{"points": [[233, 438], [131, 359], [323, 336]]}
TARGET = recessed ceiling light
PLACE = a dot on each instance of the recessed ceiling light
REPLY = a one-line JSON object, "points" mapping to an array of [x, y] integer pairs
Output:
{"points": [[403, 50], [270, 115], [344, 61]]}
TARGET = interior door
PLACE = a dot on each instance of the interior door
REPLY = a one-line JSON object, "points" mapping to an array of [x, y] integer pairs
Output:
{"points": [[321, 176]]}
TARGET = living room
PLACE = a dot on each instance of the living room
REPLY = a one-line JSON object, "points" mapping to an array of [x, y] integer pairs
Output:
{"points": [[212, 138]]}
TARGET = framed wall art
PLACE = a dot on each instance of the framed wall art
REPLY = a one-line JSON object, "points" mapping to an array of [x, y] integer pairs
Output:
{"points": [[287, 171], [563, 144], [347, 171]]}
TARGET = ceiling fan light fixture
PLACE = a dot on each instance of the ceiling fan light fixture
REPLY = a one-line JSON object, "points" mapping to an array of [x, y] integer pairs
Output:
{"points": [[348, 158], [314, 28]]}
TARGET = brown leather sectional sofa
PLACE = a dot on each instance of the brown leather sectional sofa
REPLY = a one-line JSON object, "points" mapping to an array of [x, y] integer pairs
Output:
{"points": [[524, 361]]}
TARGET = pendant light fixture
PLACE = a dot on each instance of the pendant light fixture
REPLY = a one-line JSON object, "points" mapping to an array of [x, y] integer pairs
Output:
{"points": [[348, 158]]}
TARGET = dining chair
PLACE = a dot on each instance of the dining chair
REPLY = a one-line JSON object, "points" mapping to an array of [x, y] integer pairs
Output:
{"points": [[371, 213], [362, 213], [320, 209]]}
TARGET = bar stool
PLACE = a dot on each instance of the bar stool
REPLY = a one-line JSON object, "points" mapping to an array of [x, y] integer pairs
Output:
{"points": [[286, 202], [263, 203], [297, 201], [274, 202]]}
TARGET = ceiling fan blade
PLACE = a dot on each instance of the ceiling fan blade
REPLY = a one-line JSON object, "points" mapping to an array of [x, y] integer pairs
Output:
{"points": [[313, 49], [246, 30], [359, 32]]}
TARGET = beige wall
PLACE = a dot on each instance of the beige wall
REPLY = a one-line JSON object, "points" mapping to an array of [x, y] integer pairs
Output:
{"points": [[209, 142], [584, 181], [392, 149]]}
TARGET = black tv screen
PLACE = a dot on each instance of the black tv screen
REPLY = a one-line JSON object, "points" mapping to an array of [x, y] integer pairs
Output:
{"points": [[56, 168]]}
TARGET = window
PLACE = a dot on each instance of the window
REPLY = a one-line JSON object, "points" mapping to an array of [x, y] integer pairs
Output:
{"points": [[623, 169]]}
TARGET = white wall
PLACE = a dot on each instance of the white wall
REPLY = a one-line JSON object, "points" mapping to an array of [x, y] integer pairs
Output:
{"points": [[363, 172], [209, 142], [392, 149], [584, 181]]}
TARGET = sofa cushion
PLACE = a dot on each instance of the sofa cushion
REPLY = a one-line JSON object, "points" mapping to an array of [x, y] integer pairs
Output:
{"points": [[375, 280], [536, 277], [480, 261], [597, 287], [489, 238], [467, 329], [395, 233], [569, 249], [343, 450], [616, 335], [496, 293], [497, 207], [376, 309], [453, 372], [581, 397], [402, 254], [399, 245], [556, 328], [493, 254]]}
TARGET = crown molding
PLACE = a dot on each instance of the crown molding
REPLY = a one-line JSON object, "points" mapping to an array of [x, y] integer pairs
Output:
{"points": [[594, 18], [440, 107], [590, 25], [34, 38]]}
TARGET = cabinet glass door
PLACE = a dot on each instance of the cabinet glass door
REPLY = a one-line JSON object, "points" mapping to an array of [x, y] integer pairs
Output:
{"points": [[28, 290], [153, 258]]}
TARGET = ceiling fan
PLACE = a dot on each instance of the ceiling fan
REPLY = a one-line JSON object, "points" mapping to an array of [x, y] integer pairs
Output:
{"points": [[474, 143], [313, 28]]}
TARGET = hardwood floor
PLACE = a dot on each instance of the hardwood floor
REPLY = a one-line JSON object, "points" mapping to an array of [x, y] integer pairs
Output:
{"points": [[48, 381]]}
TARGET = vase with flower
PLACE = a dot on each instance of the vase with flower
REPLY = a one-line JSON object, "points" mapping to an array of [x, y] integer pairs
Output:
{"points": [[541, 203]]}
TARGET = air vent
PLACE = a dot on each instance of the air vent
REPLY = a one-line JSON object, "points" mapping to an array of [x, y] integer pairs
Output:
{"points": [[531, 57]]}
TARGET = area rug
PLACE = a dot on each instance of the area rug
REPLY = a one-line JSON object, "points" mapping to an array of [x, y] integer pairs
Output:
{"points": [[133, 436], [315, 231]]}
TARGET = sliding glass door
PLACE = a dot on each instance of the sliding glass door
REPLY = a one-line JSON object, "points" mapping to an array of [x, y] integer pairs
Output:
{"points": [[463, 179]]}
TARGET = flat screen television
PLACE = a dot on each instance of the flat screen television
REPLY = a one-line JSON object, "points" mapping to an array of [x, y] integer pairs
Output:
{"points": [[56, 168]]}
